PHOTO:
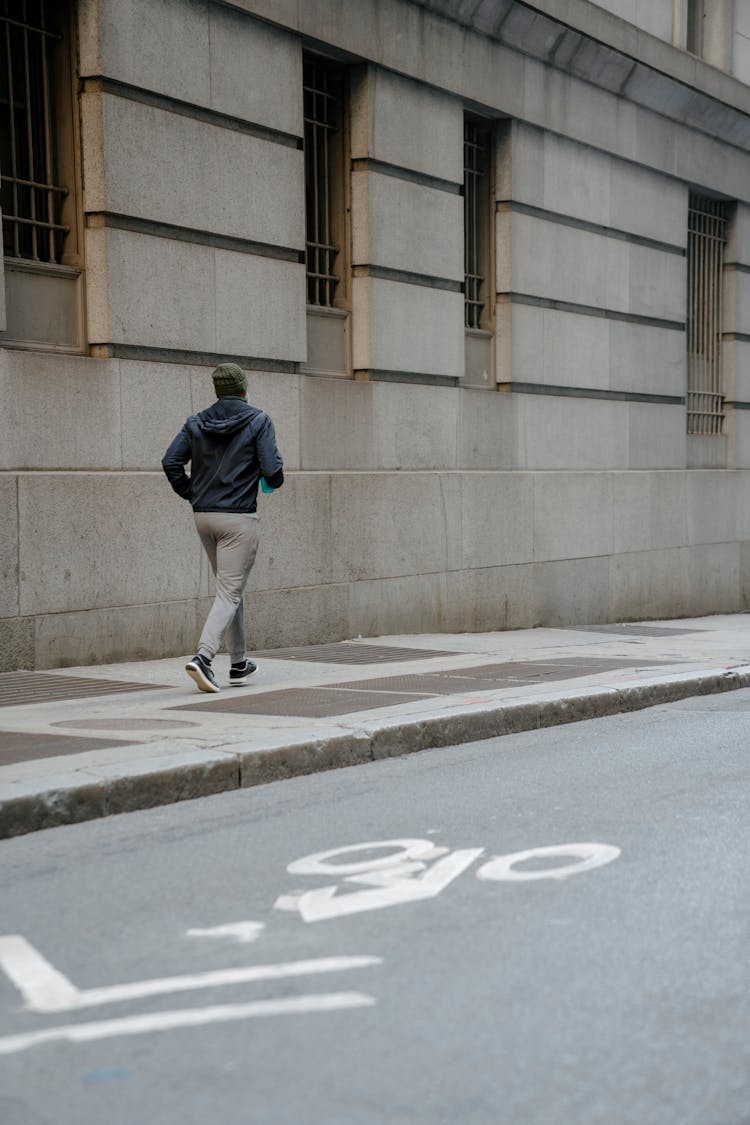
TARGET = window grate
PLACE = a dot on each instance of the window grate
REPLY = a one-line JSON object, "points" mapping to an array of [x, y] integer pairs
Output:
{"points": [[705, 261], [323, 112], [476, 167], [30, 198]]}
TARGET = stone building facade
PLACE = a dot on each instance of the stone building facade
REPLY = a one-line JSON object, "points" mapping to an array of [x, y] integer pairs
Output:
{"points": [[487, 261]]}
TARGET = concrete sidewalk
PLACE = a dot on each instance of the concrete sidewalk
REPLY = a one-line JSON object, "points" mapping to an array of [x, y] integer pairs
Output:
{"points": [[80, 743]]}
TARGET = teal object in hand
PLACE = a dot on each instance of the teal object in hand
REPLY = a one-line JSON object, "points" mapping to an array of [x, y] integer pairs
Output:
{"points": [[265, 486]]}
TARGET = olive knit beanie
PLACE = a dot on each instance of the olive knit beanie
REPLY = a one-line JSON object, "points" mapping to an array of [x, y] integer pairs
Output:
{"points": [[230, 381]]}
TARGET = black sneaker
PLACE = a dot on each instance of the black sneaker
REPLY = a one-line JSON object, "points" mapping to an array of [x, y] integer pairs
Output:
{"points": [[238, 673], [199, 669]]}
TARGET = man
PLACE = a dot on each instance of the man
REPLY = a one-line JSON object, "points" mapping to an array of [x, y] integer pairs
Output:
{"points": [[230, 447]]}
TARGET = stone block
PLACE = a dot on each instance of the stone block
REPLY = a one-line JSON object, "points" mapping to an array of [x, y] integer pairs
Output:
{"points": [[260, 304], [562, 263], [94, 540], [645, 203], [295, 535], [373, 528], [735, 315], [668, 509], [712, 506], [742, 527], [573, 515], [714, 578], [160, 45], [488, 430], [650, 511], [229, 302], [649, 584], [744, 592], [500, 597], [548, 260], [388, 606], [377, 425], [155, 400], [631, 496], [657, 284], [113, 634], [409, 124], [9, 564], [740, 424], [256, 71], [36, 387], [305, 616], [406, 226], [738, 235], [156, 292], [153, 174], [571, 592], [407, 328], [16, 643], [519, 163], [497, 519], [646, 359], [563, 432], [576, 180], [575, 350], [656, 436]]}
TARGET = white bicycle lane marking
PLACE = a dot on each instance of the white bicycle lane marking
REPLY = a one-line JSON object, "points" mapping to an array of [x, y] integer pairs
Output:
{"points": [[405, 876], [415, 870]]}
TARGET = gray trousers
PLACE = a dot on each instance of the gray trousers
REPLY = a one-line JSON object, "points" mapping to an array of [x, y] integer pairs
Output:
{"points": [[230, 539]]}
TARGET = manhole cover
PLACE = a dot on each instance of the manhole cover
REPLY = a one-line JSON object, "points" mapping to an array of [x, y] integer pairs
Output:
{"points": [[125, 724], [45, 687], [17, 746], [350, 652]]}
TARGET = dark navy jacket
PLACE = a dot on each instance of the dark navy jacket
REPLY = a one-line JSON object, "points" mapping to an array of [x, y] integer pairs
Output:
{"points": [[230, 447]]}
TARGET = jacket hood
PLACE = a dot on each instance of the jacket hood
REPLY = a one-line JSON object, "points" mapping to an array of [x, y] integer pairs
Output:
{"points": [[225, 417]]}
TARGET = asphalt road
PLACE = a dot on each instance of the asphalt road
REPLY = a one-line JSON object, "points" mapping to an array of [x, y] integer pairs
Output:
{"points": [[166, 968]]}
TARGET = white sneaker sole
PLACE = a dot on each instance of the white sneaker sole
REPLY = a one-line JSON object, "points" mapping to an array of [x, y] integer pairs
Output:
{"points": [[196, 673]]}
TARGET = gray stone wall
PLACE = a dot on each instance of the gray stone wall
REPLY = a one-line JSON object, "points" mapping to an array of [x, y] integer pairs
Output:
{"points": [[559, 493]]}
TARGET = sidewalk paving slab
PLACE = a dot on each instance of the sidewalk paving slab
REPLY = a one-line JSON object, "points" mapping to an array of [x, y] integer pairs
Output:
{"points": [[82, 743]]}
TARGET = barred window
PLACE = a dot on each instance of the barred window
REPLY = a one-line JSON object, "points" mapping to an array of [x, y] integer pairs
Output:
{"points": [[476, 222], [705, 261], [31, 196], [324, 87]]}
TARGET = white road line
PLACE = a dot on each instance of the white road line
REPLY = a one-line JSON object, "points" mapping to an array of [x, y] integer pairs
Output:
{"points": [[188, 1017], [44, 989]]}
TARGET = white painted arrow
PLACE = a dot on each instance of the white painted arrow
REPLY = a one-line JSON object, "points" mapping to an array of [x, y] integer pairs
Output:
{"points": [[399, 885]]}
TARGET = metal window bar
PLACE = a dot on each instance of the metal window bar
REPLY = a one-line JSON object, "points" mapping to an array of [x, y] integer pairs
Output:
{"points": [[30, 198], [705, 262], [475, 168], [323, 114]]}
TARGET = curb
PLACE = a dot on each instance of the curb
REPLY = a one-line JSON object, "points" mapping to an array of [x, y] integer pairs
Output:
{"points": [[206, 773]]}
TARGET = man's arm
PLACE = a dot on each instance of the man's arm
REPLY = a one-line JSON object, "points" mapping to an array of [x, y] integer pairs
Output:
{"points": [[271, 464], [174, 461]]}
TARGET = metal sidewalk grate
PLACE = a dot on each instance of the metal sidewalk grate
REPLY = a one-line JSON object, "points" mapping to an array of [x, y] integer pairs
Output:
{"points": [[18, 688], [390, 691], [305, 703], [634, 630], [26, 746], [351, 652]]}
